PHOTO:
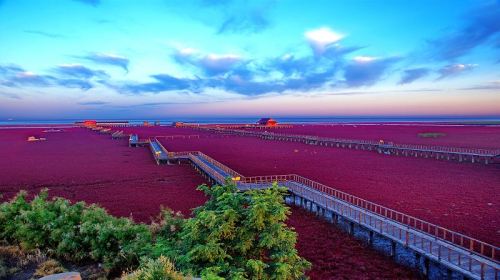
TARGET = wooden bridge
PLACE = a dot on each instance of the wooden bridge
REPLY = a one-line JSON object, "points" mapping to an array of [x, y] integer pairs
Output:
{"points": [[485, 156], [233, 126], [462, 254], [134, 141], [465, 255]]}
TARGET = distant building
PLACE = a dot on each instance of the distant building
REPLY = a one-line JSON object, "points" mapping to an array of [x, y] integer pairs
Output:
{"points": [[90, 123], [177, 124], [267, 122]]}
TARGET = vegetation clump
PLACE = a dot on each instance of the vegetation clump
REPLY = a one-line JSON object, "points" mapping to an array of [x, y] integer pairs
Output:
{"points": [[431, 134], [49, 267], [155, 269], [236, 235]]}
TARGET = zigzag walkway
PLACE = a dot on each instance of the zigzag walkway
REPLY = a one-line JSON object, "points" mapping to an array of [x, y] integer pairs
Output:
{"points": [[475, 259], [468, 256], [485, 156]]}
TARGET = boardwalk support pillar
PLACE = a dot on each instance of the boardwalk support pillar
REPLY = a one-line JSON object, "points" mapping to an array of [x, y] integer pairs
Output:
{"points": [[393, 249]]}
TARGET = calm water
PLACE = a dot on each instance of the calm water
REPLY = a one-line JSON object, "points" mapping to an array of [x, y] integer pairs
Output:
{"points": [[279, 119]]}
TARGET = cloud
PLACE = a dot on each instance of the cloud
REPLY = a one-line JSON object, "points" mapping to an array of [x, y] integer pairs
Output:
{"points": [[252, 21], [75, 83], [240, 16], [45, 34], [93, 3], [480, 25], [80, 71], [6, 70], [454, 70], [228, 16], [15, 76], [253, 77], [10, 95], [210, 64], [30, 79], [109, 59], [91, 103], [366, 71], [495, 85], [163, 82], [320, 39], [411, 75]]}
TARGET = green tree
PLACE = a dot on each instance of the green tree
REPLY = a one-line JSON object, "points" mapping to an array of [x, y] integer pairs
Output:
{"points": [[241, 235]]}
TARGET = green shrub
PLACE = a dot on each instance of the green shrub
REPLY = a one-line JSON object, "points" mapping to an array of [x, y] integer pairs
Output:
{"points": [[49, 267], [10, 214], [159, 269], [74, 232], [241, 235], [236, 235]]}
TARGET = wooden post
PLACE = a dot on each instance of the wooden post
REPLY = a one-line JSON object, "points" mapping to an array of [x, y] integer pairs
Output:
{"points": [[393, 249]]}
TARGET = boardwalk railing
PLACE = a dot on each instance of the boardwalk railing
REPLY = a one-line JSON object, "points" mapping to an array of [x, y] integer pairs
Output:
{"points": [[472, 245], [180, 136], [467, 243], [303, 138], [473, 257], [459, 259]]}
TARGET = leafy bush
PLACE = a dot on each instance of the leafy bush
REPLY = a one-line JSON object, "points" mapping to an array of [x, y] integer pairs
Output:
{"points": [[236, 235], [241, 235], [159, 269], [49, 267], [74, 232]]}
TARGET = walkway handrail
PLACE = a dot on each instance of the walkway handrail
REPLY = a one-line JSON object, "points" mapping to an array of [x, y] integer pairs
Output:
{"points": [[220, 165], [464, 150], [471, 264], [470, 244], [162, 147], [474, 246], [183, 136], [219, 178]]}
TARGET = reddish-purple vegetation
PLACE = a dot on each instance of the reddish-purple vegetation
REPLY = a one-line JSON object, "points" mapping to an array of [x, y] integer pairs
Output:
{"points": [[82, 165], [337, 255], [471, 136], [458, 196]]}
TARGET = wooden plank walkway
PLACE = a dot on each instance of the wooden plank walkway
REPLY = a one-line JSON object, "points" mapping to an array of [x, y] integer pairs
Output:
{"points": [[134, 141], [475, 259], [473, 155], [159, 154], [468, 256]]}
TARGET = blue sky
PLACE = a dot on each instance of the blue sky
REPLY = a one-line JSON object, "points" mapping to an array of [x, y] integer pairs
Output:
{"points": [[161, 58]]}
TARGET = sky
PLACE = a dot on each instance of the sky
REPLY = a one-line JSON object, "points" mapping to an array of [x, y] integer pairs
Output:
{"points": [[116, 59]]}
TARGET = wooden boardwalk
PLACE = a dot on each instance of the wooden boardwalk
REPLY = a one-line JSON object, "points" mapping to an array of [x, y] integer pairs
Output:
{"points": [[473, 155], [468, 256], [159, 153]]}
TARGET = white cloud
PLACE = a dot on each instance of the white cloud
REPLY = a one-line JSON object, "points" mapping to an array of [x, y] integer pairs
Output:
{"points": [[364, 59], [455, 69], [321, 38]]}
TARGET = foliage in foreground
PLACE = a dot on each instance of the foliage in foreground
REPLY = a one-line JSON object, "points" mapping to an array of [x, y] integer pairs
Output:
{"points": [[159, 269], [73, 232], [239, 235], [236, 235]]}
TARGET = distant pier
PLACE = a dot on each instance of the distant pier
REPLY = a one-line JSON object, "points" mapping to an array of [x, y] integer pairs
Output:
{"points": [[473, 155]]}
